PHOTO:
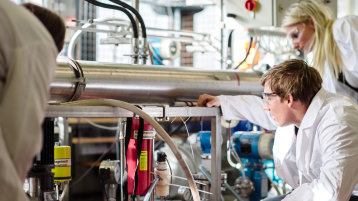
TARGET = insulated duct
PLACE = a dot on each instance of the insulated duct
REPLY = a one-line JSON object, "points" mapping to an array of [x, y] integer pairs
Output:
{"points": [[146, 84]]}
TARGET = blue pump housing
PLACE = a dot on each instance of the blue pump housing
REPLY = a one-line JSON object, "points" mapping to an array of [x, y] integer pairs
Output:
{"points": [[203, 137], [246, 144]]}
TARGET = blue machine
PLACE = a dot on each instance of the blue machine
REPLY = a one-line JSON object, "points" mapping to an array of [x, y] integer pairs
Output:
{"points": [[246, 144], [252, 147], [203, 137], [245, 125]]}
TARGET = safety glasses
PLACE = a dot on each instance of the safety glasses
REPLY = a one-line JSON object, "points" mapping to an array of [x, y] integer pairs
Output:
{"points": [[267, 96]]}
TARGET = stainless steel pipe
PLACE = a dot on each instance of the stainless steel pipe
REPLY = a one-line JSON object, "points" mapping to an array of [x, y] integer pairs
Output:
{"points": [[147, 84]]}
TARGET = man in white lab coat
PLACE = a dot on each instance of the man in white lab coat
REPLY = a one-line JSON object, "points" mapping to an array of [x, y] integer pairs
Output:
{"points": [[27, 65], [316, 140]]}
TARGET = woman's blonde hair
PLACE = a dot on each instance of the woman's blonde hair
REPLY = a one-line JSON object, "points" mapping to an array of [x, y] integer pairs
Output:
{"points": [[325, 47]]}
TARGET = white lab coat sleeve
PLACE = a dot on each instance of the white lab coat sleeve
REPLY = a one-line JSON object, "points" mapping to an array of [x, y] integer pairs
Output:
{"points": [[24, 103], [339, 172], [345, 32], [246, 107], [11, 187], [28, 62]]}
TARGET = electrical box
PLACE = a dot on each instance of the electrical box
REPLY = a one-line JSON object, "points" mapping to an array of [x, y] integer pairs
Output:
{"points": [[264, 13]]}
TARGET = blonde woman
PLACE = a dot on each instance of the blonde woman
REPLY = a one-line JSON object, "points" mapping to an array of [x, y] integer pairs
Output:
{"points": [[333, 42]]}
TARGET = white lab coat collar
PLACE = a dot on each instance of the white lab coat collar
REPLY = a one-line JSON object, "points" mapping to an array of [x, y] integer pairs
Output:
{"points": [[313, 109]]}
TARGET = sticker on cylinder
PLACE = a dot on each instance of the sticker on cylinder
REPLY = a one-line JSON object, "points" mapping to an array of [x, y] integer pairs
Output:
{"points": [[143, 161], [62, 162]]}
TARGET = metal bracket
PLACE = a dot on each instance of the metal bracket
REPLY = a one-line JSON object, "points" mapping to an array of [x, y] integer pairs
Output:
{"points": [[80, 85]]}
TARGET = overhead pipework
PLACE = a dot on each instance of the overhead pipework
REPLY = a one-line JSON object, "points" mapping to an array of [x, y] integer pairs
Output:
{"points": [[146, 84]]}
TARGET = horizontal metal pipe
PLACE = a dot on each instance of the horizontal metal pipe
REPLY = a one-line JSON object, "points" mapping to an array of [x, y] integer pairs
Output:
{"points": [[120, 22], [147, 84]]}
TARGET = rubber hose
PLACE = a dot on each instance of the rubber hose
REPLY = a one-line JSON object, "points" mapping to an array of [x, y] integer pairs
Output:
{"points": [[151, 121]]}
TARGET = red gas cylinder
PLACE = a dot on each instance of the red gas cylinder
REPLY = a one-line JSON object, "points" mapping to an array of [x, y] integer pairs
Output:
{"points": [[145, 160]]}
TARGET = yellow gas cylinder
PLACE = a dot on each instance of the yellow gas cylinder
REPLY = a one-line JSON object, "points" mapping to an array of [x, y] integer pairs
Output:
{"points": [[62, 170]]}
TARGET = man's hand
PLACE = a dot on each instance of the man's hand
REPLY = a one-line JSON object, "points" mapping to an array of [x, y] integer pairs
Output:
{"points": [[206, 100]]}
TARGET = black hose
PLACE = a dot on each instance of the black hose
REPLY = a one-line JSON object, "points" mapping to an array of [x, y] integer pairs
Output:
{"points": [[229, 49], [230, 39], [129, 15], [247, 53], [135, 12]]}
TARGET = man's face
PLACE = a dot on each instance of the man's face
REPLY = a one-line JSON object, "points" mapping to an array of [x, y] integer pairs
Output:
{"points": [[277, 107]]}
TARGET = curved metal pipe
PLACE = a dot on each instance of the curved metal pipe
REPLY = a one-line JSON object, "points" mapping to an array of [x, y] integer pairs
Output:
{"points": [[149, 84], [77, 34]]}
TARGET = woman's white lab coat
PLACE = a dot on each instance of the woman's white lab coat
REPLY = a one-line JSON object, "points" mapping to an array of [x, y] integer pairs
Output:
{"points": [[345, 33], [27, 65], [321, 163]]}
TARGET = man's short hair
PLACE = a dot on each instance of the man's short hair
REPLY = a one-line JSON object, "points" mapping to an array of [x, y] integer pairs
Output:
{"points": [[294, 77], [53, 23]]}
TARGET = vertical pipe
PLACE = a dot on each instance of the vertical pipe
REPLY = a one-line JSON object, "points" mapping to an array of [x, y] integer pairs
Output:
{"points": [[223, 35], [216, 141], [118, 133], [64, 136], [122, 156], [112, 188], [177, 26], [33, 187], [152, 168]]}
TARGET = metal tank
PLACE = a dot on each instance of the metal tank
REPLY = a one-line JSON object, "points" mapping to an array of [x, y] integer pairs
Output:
{"points": [[146, 84]]}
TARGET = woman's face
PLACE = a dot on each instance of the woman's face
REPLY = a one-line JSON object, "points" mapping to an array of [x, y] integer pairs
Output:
{"points": [[302, 35]]}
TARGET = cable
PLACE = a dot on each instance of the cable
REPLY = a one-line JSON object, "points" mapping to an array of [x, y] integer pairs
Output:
{"points": [[188, 187], [154, 54], [109, 149], [233, 152], [93, 165], [197, 182], [135, 12], [144, 32], [103, 5], [208, 177], [247, 53], [99, 126], [161, 132], [229, 42], [187, 132], [229, 49], [117, 129], [171, 173]]}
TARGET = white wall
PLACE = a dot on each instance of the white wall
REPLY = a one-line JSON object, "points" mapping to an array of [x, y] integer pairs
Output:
{"points": [[207, 21]]}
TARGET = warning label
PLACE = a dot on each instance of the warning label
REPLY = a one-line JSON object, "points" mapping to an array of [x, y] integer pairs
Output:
{"points": [[143, 161], [62, 162]]}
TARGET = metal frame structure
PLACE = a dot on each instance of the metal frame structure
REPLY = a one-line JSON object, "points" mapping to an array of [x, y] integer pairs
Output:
{"points": [[164, 112]]}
